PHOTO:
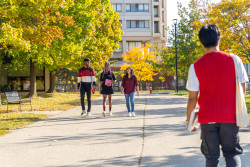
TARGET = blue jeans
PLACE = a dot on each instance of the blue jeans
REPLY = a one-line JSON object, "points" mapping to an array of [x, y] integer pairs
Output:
{"points": [[130, 98]]}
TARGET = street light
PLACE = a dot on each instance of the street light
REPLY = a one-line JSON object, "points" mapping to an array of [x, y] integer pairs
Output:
{"points": [[176, 68]]}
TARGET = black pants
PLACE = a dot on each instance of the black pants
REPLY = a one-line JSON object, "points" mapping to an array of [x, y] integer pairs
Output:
{"points": [[221, 134], [86, 88]]}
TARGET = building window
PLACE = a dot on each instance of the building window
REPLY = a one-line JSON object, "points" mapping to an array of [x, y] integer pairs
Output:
{"points": [[120, 21], [132, 44], [156, 26], [163, 30], [156, 11], [117, 7], [120, 47], [163, 16], [137, 8], [137, 24], [23, 83], [156, 0]]}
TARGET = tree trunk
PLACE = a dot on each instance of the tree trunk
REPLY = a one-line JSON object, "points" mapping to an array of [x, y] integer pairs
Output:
{"points": [[140, 85], [67, 80], [52, 83], [33, 92]]}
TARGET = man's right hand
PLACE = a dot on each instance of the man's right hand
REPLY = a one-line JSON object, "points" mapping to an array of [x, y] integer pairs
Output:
{"points": [[78, 90]]}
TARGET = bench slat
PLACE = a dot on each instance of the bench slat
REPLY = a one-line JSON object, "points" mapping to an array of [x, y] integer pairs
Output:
{"points": [[11, 94], [13, 98]]}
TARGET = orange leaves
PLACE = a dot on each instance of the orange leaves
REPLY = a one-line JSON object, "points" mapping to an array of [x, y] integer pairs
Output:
{"points": [[44, 34]]}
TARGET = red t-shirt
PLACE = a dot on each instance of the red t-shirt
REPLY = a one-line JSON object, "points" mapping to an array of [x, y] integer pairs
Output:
{"points": [[129, 84]]}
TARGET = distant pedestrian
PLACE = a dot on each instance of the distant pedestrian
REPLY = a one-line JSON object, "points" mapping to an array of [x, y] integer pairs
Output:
{"points": [[86, 79], [129, 87], [106, 87], [212, 83]]}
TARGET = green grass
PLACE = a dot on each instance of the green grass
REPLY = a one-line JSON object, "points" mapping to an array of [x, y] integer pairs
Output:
{"points": [[181, 93], [14, 119], [47, 102], [248, 103]]}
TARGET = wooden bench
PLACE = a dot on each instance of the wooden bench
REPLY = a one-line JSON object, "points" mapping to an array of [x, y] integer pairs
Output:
{"points": [[14, 98]]}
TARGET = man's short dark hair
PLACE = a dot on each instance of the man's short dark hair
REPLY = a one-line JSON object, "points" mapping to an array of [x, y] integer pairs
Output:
{"points": [[209, 35], [86, 59]]}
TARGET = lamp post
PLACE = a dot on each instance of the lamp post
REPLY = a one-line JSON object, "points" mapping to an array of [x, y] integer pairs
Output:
{"points": [[176, 68]]}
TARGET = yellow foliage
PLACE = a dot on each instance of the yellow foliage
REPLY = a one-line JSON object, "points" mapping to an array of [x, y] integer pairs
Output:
{"points": [[232, 17], [162, 79], [142, 61]]}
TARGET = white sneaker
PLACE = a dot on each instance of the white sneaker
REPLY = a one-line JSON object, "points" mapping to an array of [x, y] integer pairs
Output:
{"points": [[110, 113], [129, 114], [104, 113], [133, 114], [84, 113], [88, 114]]}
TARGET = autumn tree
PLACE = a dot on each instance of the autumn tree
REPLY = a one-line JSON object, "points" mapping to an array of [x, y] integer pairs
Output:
{"points": [[142, 60], [189, 47], [30, 27], [57, 33], [233, 19], [95, 34]]}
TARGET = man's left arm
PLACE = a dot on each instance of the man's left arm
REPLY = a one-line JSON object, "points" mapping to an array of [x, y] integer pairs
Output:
{"points": [[93, 78]]}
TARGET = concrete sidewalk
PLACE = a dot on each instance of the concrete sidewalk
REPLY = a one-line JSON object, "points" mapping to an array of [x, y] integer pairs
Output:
{"points": [[169, 144], [157, 137]]}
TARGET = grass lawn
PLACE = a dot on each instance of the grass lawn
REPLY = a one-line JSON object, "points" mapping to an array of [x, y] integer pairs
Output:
{"points": [[14, 119], [248, 103]]}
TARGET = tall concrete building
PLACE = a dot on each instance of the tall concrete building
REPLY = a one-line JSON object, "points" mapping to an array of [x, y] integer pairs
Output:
{"points": [[143, 21]]}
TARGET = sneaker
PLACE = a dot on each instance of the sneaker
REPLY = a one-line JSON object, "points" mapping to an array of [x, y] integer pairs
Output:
{"points": [[110, 113], [133, 114], [83, 113], [104, 113], [129, 114], [88, 114]]}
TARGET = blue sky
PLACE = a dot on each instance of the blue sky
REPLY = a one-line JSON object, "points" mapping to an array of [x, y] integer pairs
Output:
{"points": [[172, 10]]}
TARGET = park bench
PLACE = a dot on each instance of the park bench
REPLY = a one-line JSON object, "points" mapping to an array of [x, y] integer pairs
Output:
{"points": [[14, 98]]}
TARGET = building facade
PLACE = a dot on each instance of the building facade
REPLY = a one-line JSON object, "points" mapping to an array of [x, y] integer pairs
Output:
{"points": [[143, 21], [20, 81]]}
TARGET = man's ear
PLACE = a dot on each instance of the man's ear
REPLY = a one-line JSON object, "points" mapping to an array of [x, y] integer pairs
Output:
{"points": [[219, 42]]}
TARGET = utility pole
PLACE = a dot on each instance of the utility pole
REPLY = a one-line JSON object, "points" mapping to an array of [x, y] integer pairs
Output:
{"points": [[176, 58]]}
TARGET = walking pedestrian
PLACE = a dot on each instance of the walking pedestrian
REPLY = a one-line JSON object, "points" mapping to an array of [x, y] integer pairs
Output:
{"points": [[86, 79], [106, 87], [212, 83], [129, 87]]}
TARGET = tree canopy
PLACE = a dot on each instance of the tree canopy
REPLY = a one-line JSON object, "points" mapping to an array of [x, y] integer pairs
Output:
{"points": [[58, 33]]}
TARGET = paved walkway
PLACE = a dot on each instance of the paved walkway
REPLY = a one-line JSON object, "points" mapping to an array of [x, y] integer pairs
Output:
{"points": [[156, 137]]}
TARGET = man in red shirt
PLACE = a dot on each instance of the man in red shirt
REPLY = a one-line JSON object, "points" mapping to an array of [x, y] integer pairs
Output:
{"points": [[212, 83], [86, 78]]}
